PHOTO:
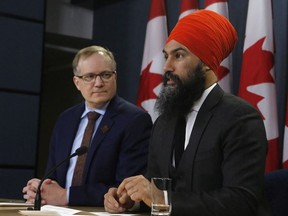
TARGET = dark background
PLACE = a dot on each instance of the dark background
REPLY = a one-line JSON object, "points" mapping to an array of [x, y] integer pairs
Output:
{"points": [[36, 78]]}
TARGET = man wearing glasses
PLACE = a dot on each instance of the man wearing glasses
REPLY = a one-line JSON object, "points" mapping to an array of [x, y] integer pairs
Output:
{"points": [[119, 144]]}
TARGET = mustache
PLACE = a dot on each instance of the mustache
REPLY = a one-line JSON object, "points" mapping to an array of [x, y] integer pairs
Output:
{"points": [[171, 76]]}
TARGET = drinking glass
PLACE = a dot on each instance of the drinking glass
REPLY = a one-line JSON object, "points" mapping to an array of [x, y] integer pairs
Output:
{"points": [[161, 196]]}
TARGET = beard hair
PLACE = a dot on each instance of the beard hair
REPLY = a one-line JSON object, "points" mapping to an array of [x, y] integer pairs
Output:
{"points": [[179, 98]]}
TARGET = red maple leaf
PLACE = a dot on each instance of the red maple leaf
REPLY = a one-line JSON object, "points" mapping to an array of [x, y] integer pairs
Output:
{"points": [[256, 66], [148, 81]]}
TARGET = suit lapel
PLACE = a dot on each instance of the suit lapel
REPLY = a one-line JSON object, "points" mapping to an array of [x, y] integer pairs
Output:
{"points": [[204, 115], [66, 140]]}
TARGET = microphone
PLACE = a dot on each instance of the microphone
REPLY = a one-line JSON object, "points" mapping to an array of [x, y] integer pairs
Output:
{"points": [[37, 203]]}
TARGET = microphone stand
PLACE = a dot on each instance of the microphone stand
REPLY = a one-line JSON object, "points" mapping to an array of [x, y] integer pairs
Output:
{"points": [[37, 201]]}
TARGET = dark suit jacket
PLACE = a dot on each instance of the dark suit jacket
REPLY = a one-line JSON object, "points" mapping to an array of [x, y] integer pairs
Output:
{"points": [[222, 169], [116, 153]]}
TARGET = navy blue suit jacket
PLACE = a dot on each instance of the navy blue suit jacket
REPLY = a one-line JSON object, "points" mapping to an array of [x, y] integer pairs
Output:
{"points": [[118, 150]]}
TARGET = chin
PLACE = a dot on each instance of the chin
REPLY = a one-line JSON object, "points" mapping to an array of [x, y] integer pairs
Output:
{"points": [[96, 101]]}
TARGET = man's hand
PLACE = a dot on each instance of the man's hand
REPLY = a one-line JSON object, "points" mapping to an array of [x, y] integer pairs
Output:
{"points": [[53, 194], [117, 203], [138, 189], [30, 190]]}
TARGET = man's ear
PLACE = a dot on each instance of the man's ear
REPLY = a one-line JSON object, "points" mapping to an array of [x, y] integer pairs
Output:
{"points": [[205, 67], [76, 82]]}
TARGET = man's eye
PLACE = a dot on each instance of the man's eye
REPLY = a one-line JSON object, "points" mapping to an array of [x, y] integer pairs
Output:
{"points": [[106, 75], [178, 55], [89, 77]]}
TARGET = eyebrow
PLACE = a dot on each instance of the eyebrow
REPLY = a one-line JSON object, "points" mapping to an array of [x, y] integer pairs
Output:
{"points": [[175, 50]]}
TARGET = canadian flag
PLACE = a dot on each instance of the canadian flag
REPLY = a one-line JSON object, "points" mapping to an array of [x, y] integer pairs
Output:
{"points": [[257, 81], [285, 141], [224, 71], [153, 60], [187, 7]]}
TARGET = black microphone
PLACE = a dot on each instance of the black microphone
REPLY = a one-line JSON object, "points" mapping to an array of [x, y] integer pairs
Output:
{"points": [[37, 203]]}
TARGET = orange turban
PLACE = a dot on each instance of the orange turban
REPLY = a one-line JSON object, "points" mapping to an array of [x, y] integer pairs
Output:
{"points": [[208, 35]]}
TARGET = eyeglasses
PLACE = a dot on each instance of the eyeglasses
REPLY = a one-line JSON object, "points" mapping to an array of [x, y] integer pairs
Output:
{"points": [[105, 76]]}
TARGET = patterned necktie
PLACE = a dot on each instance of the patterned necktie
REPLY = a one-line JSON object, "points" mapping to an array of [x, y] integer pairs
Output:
{"points": [[179, 139], [78, 171]]}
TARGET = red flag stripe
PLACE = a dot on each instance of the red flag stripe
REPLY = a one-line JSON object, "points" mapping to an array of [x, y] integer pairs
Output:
{"points": [[157, 9], [188, 5], [272, 159]]}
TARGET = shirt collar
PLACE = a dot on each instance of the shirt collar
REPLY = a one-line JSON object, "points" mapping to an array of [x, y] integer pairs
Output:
{"points": [[100, 110], [197, 105]]}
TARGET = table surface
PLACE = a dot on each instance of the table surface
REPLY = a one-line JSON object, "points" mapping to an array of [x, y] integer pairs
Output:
{"points": [[15, 211]]}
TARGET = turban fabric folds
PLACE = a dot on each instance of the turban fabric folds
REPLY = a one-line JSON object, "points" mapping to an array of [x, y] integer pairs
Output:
{"points": [[208, 35]]}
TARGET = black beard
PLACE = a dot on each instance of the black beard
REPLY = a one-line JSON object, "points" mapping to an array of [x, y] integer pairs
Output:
{"points": [[179, 98]]}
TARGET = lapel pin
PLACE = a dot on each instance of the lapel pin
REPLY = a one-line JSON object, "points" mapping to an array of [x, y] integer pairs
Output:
{"points": [[104, 129]]}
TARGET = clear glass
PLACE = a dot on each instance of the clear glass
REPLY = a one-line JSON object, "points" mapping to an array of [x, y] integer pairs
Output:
{"points": [[161, 196]]}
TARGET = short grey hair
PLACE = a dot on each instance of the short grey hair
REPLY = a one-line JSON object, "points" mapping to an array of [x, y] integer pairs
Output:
{"points": [[88, 51]]}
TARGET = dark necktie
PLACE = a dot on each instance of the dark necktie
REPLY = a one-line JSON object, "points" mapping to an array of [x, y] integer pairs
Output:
{"points": [[179, 139], [78, 171]]}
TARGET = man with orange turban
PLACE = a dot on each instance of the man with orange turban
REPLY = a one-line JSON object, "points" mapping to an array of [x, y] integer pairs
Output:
{"points": [[218, 167]]}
